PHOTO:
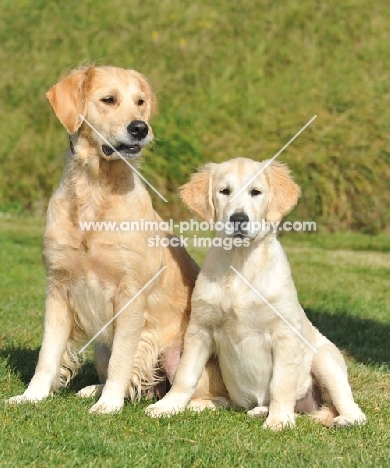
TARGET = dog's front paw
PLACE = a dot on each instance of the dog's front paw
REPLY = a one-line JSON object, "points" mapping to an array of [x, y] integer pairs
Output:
{"points": [[258, 412], [107, 406], [163, 409], [27, 397], [345, 420], [279, 423], [90, 391]]}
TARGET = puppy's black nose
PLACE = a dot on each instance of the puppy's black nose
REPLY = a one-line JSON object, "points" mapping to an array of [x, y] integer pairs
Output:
{"points": [[238, 219], [138, 129]]}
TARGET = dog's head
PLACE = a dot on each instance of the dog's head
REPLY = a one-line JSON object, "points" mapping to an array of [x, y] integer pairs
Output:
{"points": [[270, 195], [117, 103]]}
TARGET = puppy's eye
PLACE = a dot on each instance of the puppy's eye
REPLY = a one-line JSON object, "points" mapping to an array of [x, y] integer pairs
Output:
{"points": [[225, 191], [108, 100], [255, 192], [141, 102]]}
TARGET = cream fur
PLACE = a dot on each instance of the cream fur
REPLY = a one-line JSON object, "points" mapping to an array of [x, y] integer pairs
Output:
{"points": [[91, 275], [267, 368]]}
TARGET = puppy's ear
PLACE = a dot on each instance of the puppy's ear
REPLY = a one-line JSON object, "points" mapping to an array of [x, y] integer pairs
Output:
{"points": [[151, 101], [68, 101], [284, 192], [197, 194]]}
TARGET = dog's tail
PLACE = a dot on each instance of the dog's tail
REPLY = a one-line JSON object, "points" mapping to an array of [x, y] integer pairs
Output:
{"points": [[145, 373], [325, 415], [70, 365]]}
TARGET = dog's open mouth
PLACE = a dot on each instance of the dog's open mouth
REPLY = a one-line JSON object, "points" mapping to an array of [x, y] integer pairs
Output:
{"points": [[124, 150]]}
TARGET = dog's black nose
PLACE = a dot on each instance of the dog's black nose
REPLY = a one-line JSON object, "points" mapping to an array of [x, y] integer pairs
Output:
{"points": [[238, 219], [138, 129]]}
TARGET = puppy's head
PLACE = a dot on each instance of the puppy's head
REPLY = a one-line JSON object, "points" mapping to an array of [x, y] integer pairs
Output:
{"points": [[221, 192], [117, 103]]}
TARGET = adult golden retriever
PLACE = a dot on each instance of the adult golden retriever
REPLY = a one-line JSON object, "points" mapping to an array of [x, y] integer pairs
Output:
{"points": [[92, 275], [245, 307]]}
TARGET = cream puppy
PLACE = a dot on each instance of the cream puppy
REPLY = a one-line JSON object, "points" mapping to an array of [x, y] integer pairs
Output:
{"points": [[246, 311]]}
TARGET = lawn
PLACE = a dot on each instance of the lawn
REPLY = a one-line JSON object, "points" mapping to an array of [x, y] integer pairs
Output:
{"points": [[345, 293]]}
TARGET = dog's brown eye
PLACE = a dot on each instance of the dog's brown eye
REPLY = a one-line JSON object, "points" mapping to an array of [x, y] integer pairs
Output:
{"points": [[255, 192], [108, 100], [141, 102], [225, 191]]}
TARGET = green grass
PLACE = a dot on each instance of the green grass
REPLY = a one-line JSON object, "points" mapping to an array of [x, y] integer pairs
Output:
{"points": [[232, 78], [344, 292]]}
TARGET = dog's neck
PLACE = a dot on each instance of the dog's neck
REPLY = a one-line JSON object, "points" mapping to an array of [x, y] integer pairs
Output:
{"points": [[97, 183], [86, 162], [257, 251]]}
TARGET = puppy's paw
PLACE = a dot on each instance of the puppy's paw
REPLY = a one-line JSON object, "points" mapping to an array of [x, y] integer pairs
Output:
{"points": [[107, 406], [90, 391], [279, 423], [258, 412], [345, 420], [162, 409]]}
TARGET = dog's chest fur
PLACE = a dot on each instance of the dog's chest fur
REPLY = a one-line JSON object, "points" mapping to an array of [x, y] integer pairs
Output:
{"points": [[242, 323], [242, 334], [91, 265]]}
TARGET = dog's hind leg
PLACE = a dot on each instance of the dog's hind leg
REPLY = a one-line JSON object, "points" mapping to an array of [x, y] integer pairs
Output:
{"points": [[101, 359], [330, 370], [200, 404]]}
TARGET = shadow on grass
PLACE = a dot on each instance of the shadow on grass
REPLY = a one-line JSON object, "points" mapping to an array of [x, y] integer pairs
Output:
{"points": [[22, 362], [363, 339]]}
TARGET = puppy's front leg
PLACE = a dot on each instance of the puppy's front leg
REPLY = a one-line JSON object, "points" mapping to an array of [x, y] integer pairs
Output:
{"points": [[58, 326], [128, 326], [198, 347], [287, 356]]}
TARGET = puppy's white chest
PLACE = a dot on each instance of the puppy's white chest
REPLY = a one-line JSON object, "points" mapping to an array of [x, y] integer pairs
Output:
{"points": [[245, 359]]}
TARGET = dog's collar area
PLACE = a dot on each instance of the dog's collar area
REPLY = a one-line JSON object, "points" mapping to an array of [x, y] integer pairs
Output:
{"points": [[72, 142]]}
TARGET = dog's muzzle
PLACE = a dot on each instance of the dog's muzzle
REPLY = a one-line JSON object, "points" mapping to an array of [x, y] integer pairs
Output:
{"points": [[138, 130], [126, 149], [239, 222]]}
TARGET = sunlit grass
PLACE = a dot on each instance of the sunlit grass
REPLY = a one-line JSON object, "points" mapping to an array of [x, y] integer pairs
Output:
{"points": [[345, 294]]}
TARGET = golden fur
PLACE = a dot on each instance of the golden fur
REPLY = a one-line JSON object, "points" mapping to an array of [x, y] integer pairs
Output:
{"points": [[91, 275], [267, 368]]}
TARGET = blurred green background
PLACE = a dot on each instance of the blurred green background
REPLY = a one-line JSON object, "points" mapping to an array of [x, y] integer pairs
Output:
{"points": [[231, 78]]}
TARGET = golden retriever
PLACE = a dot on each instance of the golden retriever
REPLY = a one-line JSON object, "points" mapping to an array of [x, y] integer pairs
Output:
{"points": [[272, 359], [92, 275]]}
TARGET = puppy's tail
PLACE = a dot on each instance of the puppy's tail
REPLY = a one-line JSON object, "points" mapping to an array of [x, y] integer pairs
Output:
{"points": [[325, 415]]}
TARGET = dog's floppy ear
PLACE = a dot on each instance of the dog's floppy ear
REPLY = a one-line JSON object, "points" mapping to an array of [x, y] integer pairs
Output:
{"points": [[197, 194], [68, 101], [151, 101], [284, 192]]}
